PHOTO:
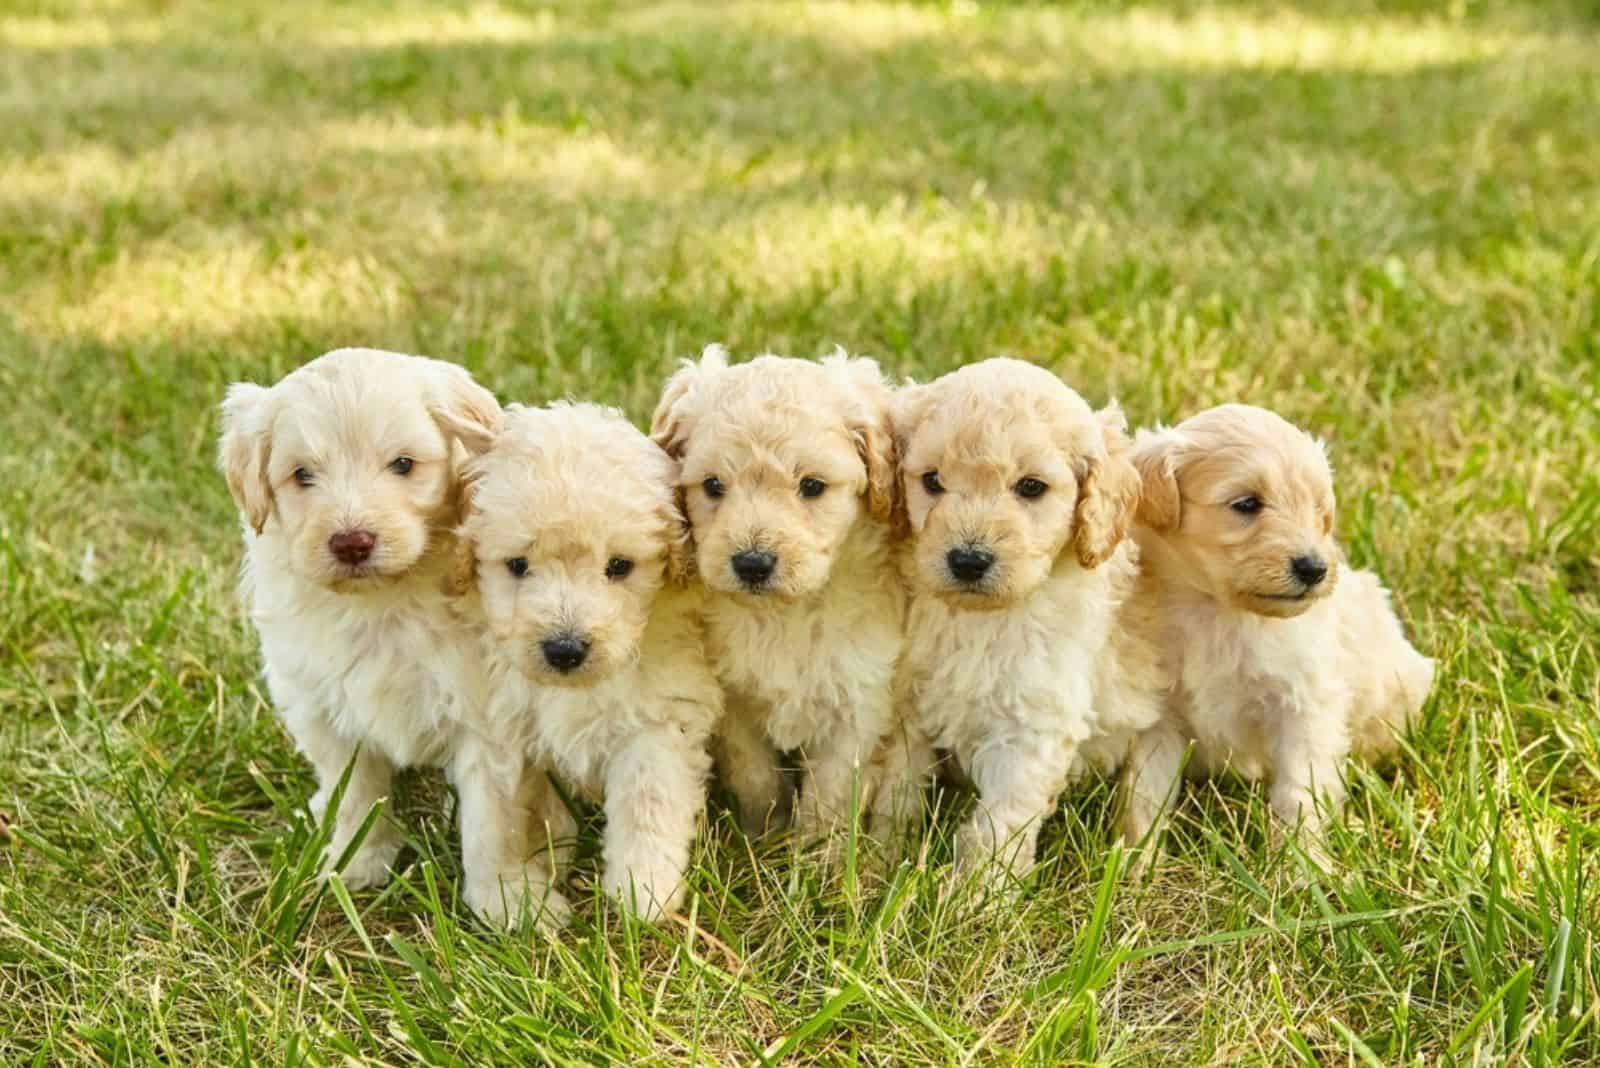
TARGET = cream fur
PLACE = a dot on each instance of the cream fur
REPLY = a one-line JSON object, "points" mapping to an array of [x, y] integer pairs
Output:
{"points": [[570, 489], [807, 660], [1277, 681], [362, 657], [1045, 667]]}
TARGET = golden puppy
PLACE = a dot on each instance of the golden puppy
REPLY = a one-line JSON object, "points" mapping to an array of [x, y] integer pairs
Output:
{"points": [[347, 477], [1028, 655], [1284, 660], [572, 558], [788, 480]]}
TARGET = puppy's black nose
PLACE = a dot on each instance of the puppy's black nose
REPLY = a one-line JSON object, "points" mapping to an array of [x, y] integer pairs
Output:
{"points": [[1310, 569], [969, 564], [565, 652], [753, 566], [352, 547]]}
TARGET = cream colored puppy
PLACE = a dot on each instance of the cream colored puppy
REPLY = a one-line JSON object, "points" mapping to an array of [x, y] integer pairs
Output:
{"points": [[347, 477], [1028, 655], [788, 480], [1285, 662], [573, 555]]}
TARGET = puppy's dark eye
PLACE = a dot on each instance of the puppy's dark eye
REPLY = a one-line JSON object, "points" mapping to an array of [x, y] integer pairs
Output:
{"points": [[812, 487], [1246, 505], [518, 566], [302, 477], [931, 483], [401, 465], [618, 567], [1030, 488], [713, 487]]}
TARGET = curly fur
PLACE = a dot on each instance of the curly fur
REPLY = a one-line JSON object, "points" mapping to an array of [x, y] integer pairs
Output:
{"points": [[806, 659], [1046, 665], [1275, 679], [357, 658], [568, 490]]}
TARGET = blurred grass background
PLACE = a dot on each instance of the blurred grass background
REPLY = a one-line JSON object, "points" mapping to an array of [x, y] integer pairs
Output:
{"points": [[1380, 218]]}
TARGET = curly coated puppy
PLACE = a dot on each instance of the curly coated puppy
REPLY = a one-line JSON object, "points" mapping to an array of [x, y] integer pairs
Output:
{"points": [[788, 480], [572, 560], [347, 475], [1029, 653], [1284, 660]]}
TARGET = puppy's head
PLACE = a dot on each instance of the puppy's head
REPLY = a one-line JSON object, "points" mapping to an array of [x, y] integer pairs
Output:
{"points": [[350, 460], [571, 530], [1006, 475], [1244, 502], [780, 459]]}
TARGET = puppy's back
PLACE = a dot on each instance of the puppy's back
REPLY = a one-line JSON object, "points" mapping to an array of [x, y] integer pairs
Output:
{"points": [[1391, 679]]}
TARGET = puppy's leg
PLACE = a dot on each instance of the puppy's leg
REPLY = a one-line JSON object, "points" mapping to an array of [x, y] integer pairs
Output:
{"points": [[655, 793], [749, 768], [837, 766], [1150, 782], [501, 797], [554, 834], [371, 778], [1308, 763], [1018, 780], [904, 768]]}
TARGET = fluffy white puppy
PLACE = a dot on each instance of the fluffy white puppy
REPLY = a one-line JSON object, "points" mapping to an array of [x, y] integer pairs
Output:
{"points": [[572, 561], [348, 481], [788, 479], [1285, 662], [1029, 656]]}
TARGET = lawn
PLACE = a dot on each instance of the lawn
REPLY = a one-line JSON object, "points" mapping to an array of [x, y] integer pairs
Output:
{"points": [[1381, 219]]}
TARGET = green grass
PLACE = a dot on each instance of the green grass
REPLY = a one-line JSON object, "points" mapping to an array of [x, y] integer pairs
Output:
{"points": [[1381, 219]]}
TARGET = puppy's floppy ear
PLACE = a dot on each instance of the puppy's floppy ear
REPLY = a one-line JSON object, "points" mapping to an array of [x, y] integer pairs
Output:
{"points": [[1108, 493], [676, 411], [680, 542], [244, 449], [463, 576], [907, 408], [1155, 457], [871, 427], [467, 412]]}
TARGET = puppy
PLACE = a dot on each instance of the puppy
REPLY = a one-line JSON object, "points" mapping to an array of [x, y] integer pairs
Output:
{"points": [[572, 561], [788, 479], [1029, 655], [1285, 662], [346, 473]]}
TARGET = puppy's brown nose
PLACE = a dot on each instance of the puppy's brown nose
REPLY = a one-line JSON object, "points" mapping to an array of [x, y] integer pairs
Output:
{"points": [[352, 547]]}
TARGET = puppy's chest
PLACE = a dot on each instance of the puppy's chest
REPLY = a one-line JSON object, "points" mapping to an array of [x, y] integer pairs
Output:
{"points": [[1237, 682], [399, 679], [805, 663], [968, 675], [579, 730]]}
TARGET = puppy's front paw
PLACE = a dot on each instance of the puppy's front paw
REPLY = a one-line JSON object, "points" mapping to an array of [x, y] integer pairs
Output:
{"points": [[760, 819], [370, 867], [1142, 860], [507, 898], [1307, 837], [650, 897]]}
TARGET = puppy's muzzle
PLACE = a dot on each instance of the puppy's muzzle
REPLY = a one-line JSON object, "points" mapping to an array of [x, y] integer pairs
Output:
{"points": [[754, 567], [352, 547], [565, 652], [968, 564]]}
